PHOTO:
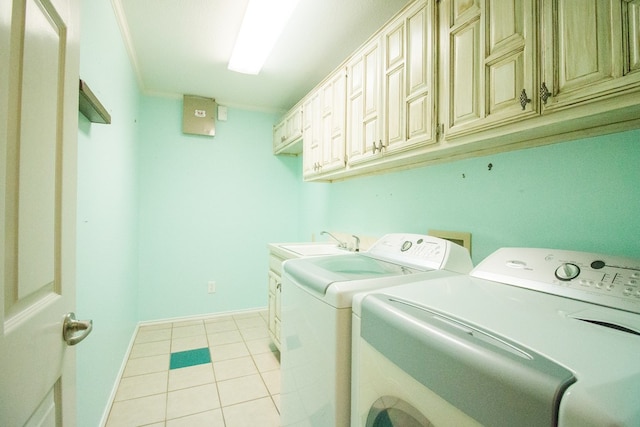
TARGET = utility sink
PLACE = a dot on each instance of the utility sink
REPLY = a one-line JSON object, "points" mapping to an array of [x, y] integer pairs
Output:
{"points": [[311, 249]]}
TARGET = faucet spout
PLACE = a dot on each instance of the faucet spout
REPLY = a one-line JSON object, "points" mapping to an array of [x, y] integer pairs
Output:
{"points": [[341, 244], [356, 248]]}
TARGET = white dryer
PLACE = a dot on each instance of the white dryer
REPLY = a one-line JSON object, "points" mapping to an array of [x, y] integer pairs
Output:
{"points": [[533, 337], [316, 318]]}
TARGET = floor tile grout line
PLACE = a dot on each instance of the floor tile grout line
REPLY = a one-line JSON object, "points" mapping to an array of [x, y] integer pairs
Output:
{"points": [[264, 382], [215, 378]]}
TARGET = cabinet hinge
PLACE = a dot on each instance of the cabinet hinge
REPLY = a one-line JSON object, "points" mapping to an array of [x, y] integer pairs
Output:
{"points": [[440, 129]]}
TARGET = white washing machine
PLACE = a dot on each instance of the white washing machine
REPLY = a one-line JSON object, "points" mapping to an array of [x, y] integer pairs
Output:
{"points": [[316, 318], [532, 337]]}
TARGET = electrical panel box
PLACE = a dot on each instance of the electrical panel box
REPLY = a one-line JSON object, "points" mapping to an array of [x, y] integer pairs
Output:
{"points": [[198, 115]]}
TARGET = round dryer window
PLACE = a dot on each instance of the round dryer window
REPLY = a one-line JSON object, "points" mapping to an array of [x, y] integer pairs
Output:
{"points": [[389, 411]]}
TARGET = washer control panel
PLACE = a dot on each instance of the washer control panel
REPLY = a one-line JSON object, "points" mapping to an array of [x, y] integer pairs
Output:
{"points": [[422, 251], [601, 279]]}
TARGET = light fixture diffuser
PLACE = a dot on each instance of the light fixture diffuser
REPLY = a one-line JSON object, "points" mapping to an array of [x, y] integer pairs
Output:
{"points": [[261, 27]]}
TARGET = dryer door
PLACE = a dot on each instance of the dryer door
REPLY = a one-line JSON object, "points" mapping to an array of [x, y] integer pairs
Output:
{"points": [[389, 411]]}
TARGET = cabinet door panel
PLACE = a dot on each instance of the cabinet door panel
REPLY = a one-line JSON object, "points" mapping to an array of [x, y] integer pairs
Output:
{"points": [[506, 84], [418, 61], [395, 47], [327, 154], [355, 136], [338, 106], [505, 22], [465, 45], [583, 56], [395, 106], [419, 120], [372, 82]]}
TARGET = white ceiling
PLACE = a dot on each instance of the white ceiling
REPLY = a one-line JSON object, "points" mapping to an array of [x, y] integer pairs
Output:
{"points": [[183, 46]]}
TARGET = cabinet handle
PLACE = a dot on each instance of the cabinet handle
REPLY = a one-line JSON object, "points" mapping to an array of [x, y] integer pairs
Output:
{"points": [[282, 138], [523, 99], [544, 93], [379, 148]]}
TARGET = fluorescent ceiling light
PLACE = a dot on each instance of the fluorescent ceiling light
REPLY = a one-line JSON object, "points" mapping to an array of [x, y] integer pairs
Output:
{"points": [[263, 23]]}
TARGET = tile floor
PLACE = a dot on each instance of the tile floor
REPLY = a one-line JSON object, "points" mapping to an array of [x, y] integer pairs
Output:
{"points": [[221, 371]]}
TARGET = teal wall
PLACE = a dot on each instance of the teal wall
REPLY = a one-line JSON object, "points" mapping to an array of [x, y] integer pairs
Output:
{"points": [[208, 209], [580, 195], [161, 213], [107, 236]]}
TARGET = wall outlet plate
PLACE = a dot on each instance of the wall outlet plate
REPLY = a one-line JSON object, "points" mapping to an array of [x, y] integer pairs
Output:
{"points": [[211, 287]]}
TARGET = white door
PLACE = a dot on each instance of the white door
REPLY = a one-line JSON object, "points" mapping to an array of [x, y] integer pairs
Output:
{"points": [[38, 133]]}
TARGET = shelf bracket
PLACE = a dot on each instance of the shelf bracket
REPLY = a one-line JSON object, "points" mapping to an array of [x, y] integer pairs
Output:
{"points": [[91, 107]]}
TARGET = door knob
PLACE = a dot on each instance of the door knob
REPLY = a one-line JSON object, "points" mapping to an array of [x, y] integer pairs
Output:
{"points": [[74, 331]]}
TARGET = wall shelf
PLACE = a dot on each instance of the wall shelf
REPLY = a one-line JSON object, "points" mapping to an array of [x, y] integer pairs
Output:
{"points": [[91, 107]]}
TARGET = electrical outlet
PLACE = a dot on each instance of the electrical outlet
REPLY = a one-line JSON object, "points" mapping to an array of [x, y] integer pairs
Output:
{"points": [[212, 287]]}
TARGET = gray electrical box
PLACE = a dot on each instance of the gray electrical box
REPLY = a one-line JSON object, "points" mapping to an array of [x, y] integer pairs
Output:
{"points": [[198, 115]]}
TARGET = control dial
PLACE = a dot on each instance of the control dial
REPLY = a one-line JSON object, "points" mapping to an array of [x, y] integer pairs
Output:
{"points": [[567, 271]]}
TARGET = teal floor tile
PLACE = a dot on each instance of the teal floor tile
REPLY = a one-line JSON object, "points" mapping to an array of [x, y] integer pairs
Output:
{"points": [[188, 358]]}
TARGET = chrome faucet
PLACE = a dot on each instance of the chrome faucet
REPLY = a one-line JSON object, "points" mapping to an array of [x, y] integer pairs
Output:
{"points": [[356, 248], [341, 244]]}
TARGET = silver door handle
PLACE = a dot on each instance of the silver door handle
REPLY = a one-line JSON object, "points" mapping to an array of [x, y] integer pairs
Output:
{"points": [[74, 331]]}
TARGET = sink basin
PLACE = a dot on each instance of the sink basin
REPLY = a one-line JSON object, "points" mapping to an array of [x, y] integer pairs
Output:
{"points": [[311, 249]]}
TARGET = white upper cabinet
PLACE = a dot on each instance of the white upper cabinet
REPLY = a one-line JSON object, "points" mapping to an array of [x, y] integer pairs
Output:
{"points": [[391, 82], [591, 50], [333, 98], [312, 156], [324, 127], [449, 79], [409, 79], [488, 62], [287, 133], [363, 103]]}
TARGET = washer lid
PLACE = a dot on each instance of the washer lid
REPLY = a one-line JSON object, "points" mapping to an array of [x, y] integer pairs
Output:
{"points": [[320, 272]]}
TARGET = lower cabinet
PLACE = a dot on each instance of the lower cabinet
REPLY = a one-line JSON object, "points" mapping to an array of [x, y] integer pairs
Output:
{"points": [[275, 290]]}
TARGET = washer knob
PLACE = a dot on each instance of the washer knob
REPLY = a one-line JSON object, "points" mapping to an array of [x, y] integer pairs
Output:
{"points": [[567, 271]]}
